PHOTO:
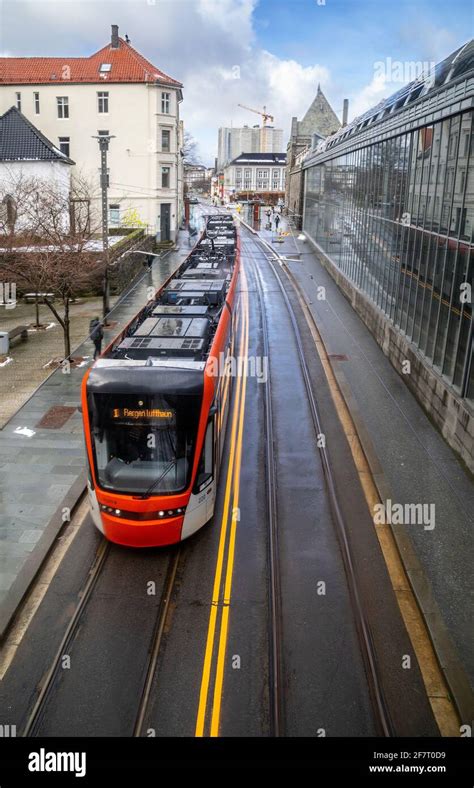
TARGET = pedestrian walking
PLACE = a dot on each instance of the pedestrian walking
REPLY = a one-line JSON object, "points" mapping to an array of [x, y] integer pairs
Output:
{"points": [[192, 232], [277, 221], [96, 334]]}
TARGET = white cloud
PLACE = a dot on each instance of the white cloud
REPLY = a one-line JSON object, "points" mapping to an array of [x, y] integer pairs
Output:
{"points": [[199, 42], [370, 95], [233, 17]]}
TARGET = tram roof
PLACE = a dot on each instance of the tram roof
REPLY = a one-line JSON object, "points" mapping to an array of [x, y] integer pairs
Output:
{"points": [[147, 379]]}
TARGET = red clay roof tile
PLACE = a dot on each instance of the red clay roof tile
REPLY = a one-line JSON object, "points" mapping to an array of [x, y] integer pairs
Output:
{"points": [[127, 65]]}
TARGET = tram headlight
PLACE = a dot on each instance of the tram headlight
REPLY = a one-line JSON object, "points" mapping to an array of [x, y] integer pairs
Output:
{"points": [[160, 515]]}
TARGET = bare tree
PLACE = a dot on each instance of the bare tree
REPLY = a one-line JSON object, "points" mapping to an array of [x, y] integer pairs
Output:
{"points": [[190, 149], [49, 248]]}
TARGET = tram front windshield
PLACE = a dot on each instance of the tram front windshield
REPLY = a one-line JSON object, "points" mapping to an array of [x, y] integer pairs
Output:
{"points": [[144, 444]]}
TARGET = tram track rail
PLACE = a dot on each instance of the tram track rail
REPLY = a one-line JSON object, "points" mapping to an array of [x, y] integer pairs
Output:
{"points": [[156, 642], [381, 714], [276, 617], [36, 715], [38, 712]]}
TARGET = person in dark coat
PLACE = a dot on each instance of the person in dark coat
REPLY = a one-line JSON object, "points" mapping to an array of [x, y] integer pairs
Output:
{"points": [[97, 335], [277, 220]]}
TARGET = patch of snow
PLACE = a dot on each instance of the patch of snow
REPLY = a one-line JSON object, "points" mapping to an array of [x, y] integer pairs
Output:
{"points": [[25, 431], [7, 361], [45, 328]]}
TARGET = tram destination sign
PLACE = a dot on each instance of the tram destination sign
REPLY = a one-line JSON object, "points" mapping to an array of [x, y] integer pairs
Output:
{"points": [[148, 415]]}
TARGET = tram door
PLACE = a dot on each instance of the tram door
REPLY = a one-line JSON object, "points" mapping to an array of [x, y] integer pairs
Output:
{"points": [[210, 466]]}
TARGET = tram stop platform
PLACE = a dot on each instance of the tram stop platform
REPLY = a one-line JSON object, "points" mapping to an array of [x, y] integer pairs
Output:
{"points": [[410, 459], [42, 456]]}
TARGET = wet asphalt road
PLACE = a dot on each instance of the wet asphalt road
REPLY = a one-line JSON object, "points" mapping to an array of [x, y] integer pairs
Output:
{"points": [[325, 687]]}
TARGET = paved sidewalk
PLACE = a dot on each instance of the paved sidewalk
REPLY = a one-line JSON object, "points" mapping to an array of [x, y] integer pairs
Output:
{"points": [[41, 469], [416, 462]]}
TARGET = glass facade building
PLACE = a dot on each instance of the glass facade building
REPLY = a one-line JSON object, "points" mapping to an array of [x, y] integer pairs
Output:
{"points": [[390, 200]]}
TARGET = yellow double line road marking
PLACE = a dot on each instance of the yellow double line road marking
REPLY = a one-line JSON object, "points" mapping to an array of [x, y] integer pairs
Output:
{"points": [[226, 547]]}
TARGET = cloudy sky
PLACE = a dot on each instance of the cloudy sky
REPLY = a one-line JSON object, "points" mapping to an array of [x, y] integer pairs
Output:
{"points": [[256, 52]]}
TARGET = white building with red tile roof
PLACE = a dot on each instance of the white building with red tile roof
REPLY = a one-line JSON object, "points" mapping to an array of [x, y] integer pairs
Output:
{"points": [[119, 92]]}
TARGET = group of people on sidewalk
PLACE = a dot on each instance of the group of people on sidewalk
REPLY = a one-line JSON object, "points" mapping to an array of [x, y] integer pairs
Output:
{"points": [[273, 216]]}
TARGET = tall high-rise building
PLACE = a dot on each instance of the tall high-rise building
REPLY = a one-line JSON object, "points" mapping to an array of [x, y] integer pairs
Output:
{"points": [[247, 139]]}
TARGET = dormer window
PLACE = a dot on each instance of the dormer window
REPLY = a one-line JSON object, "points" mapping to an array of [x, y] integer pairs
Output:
{"points": [[105, 67]]}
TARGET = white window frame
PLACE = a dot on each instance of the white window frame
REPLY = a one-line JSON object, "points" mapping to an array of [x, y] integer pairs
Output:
{"points": [[168, 149], [62, 104], [65, 141], [36, 102], [114, 214], [18, 101], [103, 102], [165, 103], [168, 168]]}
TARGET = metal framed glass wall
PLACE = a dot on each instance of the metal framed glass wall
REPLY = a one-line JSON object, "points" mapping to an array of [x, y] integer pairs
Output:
{"points": [[397, 217]]}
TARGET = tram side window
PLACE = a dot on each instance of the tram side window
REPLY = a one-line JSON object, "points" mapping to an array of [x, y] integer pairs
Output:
{"points": [[206, 466]]}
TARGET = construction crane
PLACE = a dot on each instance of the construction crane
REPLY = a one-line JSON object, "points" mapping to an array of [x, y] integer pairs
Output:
{"points": [[264, 114]]}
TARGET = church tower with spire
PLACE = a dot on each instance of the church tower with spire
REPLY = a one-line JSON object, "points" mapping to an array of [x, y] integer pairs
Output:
{"points": [[320, 119]]}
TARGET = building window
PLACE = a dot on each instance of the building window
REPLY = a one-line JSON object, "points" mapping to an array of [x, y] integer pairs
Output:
{"points": [[63, 106], [36, 97], [105, 67], [165, 140], [64, 145], [165, 177], [18, 101], [238, 172], [165, 103], [114, 215], [260, 174], [103, 101], [103, 132]]}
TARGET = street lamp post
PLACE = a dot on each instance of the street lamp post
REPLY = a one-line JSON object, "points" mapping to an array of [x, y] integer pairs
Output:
{"points": [[103, 140]]}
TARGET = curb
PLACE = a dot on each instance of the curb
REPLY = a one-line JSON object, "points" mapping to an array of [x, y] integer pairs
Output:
{"points": [[41, 550]]}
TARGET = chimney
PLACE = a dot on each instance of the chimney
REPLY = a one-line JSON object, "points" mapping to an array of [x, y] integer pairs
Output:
{"points": [[115, 39], [345, 112]]}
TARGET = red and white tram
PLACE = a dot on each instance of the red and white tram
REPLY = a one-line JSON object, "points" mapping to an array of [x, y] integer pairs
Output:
{"points": [[155, 403]]}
